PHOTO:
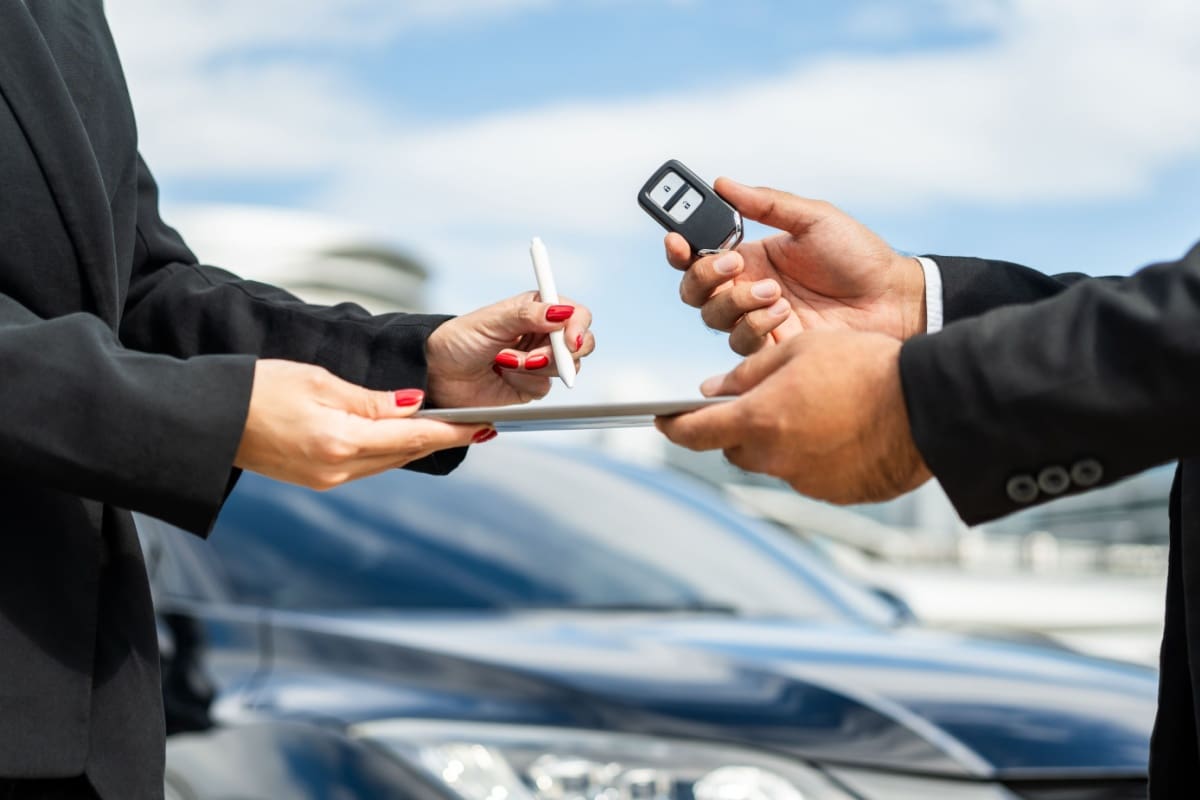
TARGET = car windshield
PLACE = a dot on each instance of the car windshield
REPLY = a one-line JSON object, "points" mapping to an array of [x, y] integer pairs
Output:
{"points": [[513, 528]]}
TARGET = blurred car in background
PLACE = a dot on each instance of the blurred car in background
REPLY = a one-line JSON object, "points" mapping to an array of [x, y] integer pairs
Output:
{"points": [[554, 625], [1033, 586]]}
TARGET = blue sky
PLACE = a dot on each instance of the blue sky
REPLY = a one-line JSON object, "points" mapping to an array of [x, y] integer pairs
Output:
{"points": [[1064, 135]]}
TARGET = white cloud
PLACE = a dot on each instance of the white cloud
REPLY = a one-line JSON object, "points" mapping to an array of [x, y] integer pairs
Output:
{"points": [[1071, 100], [1074, 101], [156, 34]]}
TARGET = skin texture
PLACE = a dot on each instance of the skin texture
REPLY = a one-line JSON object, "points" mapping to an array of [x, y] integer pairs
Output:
{"points": [[462, 352], [309, 427], [823, 411], [823, 271], [821, 309]]}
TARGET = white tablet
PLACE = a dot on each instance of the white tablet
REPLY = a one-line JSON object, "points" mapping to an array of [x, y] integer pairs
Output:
{"points": [[543, 417]]}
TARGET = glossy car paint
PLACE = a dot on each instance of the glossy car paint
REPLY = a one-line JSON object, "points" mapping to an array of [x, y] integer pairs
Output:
{"points": [[835, 685]]}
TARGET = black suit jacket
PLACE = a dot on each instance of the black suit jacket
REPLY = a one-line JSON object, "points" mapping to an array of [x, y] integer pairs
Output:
{"points": [[125, 373], [1038, 378]]}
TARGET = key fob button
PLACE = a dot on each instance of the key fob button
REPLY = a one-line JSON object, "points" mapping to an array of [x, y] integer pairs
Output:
{"points": [[666, 189], [686, 205]]}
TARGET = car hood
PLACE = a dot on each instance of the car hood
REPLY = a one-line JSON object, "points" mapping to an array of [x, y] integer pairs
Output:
{"points": [[906, 699]]}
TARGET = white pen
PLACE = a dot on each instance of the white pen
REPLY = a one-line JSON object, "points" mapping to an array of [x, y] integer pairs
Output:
{"points": [[549, 293]]}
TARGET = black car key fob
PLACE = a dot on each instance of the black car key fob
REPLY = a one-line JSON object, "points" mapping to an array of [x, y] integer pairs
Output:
{"points": [[681, 202]]}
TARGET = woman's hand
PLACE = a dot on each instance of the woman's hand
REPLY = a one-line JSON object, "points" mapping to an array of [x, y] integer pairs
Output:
{"points": [[309, 427], [501, 354]]}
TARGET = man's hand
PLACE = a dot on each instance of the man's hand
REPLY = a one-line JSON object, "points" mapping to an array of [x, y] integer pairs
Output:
{"points": [[824, 272], [501, 354], [824, 411], [309, 427]]}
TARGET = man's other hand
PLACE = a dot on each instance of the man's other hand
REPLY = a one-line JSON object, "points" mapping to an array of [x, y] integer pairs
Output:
{"points": [[824, 411]]}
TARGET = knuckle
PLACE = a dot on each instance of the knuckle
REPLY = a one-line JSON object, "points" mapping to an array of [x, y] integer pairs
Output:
{"points": [[756, 324], [334, 448], [743, 342], [418, 442], [738, 456], [325, 480], [320, 378], [690, 290], [714, 315], [684, 292]]}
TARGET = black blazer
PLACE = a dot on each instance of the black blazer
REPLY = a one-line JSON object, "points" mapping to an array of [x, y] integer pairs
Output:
{"points": [[125, 373], [1041, 386]]}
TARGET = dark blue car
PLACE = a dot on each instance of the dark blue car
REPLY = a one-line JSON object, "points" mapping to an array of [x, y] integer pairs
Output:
{"points": [[549, 625]]}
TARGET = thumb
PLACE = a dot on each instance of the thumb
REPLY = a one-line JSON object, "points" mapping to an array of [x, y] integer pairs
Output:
{"points": [[779, 209], [370, 403], [748, 374]]}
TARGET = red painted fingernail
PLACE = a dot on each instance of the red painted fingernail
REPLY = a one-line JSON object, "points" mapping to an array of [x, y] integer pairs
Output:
{"points": [[485, 435], [507, 360], [536, 362], [579, 341], [409, 397], [559, 313]]}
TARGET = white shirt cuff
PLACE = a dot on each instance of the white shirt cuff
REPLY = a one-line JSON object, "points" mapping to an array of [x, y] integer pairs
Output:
{"points": [[933, 294]]}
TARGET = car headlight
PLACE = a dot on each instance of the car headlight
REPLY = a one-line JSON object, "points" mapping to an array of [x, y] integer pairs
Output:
{"points": [[517, 762]]}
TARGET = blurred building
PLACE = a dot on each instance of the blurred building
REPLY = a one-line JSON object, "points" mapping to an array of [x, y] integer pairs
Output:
{"points": [[321, 259]]}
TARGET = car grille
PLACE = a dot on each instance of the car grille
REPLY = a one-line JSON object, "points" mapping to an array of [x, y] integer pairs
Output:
{"points": [[1080, 790]]}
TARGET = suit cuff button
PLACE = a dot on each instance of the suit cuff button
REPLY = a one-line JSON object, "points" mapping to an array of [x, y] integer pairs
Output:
{"points": [[1086, 472], [1022, 489], [1054, 480]]}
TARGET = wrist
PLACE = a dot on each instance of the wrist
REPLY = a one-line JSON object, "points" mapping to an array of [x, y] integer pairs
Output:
{"points": [[910, 285], [903, 467], [437, 360]]}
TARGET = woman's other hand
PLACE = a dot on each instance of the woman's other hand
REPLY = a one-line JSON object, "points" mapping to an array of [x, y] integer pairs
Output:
{"points": [[309, 427], [500, 354]]}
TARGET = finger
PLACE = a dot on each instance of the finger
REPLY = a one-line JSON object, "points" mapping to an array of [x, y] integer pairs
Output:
{"points": [[336, 393], [679, 252], [790, 327], [711, 428], [755, 328], [525, 314], [373, 465], [748, 374], [528, 386], [583, 345], [579, 322], [538, 359], [707, 275], [508, 359], [408, 439], [773, 207], [724, 310]]}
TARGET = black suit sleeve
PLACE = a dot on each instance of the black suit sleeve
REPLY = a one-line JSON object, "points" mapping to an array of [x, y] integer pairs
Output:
{"points": [[183, 308], [973, 286], [1100, 370], [81, 413]]}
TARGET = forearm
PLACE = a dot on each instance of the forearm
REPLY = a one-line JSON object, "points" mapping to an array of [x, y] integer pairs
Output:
{"points": [[188, 309]]}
